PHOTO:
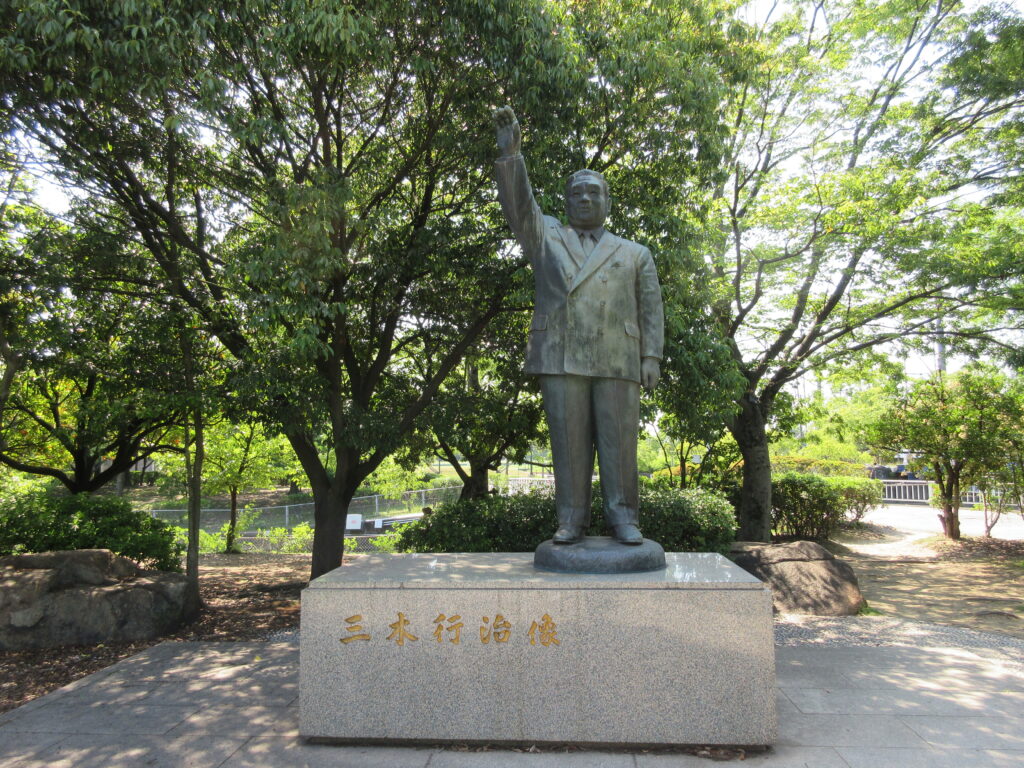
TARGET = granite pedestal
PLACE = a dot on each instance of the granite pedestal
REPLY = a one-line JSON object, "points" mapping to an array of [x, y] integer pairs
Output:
{"points": [[484, 648]]}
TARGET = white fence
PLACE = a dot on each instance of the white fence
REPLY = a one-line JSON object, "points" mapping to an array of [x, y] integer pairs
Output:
{"points": [[920, 492]]}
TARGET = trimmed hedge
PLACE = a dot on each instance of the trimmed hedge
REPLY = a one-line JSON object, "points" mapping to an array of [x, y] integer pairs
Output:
{"points": [[43, 522], [824, 467], [681, 521], [805, 506], [809, 506], [859, 495]]}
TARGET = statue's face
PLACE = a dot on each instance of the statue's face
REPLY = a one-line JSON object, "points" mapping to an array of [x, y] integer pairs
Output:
{"points": [[586, 203]]}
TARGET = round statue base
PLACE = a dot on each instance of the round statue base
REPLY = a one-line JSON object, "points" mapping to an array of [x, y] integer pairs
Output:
{"points": [[599, 554]]}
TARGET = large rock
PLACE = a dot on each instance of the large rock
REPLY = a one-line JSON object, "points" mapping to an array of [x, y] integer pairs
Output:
{"points": [[804, 577], [86, 597]]}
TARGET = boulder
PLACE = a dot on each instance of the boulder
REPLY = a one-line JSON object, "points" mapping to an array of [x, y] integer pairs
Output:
{"points": [[804, 577], [86, 597]]}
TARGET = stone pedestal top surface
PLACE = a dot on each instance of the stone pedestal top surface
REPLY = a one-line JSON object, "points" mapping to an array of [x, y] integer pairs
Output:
{"points": [[514, 570]]}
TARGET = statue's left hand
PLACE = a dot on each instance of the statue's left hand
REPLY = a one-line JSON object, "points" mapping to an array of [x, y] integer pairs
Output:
{"points": [[650, 372]]}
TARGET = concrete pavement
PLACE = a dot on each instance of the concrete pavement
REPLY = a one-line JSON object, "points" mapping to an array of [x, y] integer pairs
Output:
{"points": [[235, 705]]}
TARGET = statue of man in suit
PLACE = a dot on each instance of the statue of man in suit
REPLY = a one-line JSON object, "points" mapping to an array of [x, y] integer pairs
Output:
{"points": [[597, 334]]}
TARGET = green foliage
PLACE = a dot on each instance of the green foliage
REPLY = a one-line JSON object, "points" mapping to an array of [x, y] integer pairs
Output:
{"points": [[246, 518], [960, 426], [805, 506], [825, 467], [682, 521], [297, 541], [40, 522], [859, 495], [841, 225], [488, 410], [320, 193], [209, 543], [212, 543], [87, 385], [388, 543]]}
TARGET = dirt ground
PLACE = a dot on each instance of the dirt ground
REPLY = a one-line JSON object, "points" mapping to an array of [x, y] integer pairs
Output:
{"points": [[975, 583]]}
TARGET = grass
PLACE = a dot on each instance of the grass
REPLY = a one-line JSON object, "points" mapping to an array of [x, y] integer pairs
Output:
{"points": [[867, 610]]}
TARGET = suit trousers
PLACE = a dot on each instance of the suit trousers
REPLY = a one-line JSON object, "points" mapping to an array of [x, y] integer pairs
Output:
{"points": [[585, 413]]}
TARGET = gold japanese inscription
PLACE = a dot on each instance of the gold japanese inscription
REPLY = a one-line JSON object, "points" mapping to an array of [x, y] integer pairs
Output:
{"points": [[544, 633], [449, 627], [454, 628], [356, 629], [500, 629], [398, 630]]}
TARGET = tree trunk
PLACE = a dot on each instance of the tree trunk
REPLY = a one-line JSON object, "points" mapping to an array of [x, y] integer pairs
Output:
{"points": [[476, 486], [950, 520], [330, 508], [682, 468], [194, 487], [229, 539], [755, 503], [950, 517], [193, 478]]}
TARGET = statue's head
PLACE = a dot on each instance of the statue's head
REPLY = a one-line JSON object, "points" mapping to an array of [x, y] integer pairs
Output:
{"points": [[586, 199]]}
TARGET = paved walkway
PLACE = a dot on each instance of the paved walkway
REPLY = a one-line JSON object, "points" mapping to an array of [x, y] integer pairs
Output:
{"points": [[235, 705]]}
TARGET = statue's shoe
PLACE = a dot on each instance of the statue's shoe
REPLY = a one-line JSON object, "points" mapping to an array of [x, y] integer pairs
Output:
{"points": [[627, 533], [567, 534]]}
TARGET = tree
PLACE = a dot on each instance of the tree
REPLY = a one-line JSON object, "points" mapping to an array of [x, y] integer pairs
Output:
{"points": [[83, 396], [317, 192], [955, 424], [242, 457], [491, 410], [841, 225]]}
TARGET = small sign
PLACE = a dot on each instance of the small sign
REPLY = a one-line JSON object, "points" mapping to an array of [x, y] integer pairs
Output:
{"points": [[354, 523]]}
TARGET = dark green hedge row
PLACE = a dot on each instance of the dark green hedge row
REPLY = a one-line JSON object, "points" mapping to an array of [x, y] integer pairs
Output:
{"points": [[681, 521], [43, 522], [808, 506]]}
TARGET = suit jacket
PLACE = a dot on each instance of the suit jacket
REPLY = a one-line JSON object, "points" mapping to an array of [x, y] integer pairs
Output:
{"points": [[595, 315]]}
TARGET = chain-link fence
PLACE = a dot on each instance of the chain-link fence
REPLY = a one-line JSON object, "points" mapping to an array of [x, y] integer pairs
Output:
{"points": [[287, 516]]}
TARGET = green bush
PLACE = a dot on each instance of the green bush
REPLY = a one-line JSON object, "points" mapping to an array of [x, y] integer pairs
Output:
{"points": [[209, 543], [859, 495], [825, 467], [681, 521], [41, 522], [296, 541], [805, 506]]}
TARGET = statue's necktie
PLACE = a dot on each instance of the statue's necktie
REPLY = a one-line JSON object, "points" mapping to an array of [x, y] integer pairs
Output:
{"points": [[587, 241]]}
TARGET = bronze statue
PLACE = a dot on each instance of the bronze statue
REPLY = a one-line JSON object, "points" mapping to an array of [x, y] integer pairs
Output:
{"points": [[597, 334]]}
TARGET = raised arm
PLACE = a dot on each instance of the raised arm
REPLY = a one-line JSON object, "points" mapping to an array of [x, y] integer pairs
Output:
{"points": [[507, 128], [514, 191]]}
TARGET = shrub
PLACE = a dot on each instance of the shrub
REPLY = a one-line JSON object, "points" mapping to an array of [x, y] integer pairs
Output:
{"points": [[209, 543], [41, 522], [859, 495], [825, 467], [32, 523], [300, 541], [296, 541], [693, 520], [805, 506]]}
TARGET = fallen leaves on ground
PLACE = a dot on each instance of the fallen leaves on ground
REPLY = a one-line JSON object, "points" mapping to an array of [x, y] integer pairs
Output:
{"points": [[246, 598]]}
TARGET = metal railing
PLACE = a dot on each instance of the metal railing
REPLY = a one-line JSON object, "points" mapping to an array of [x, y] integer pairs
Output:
{"points": [[920, 492]]}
